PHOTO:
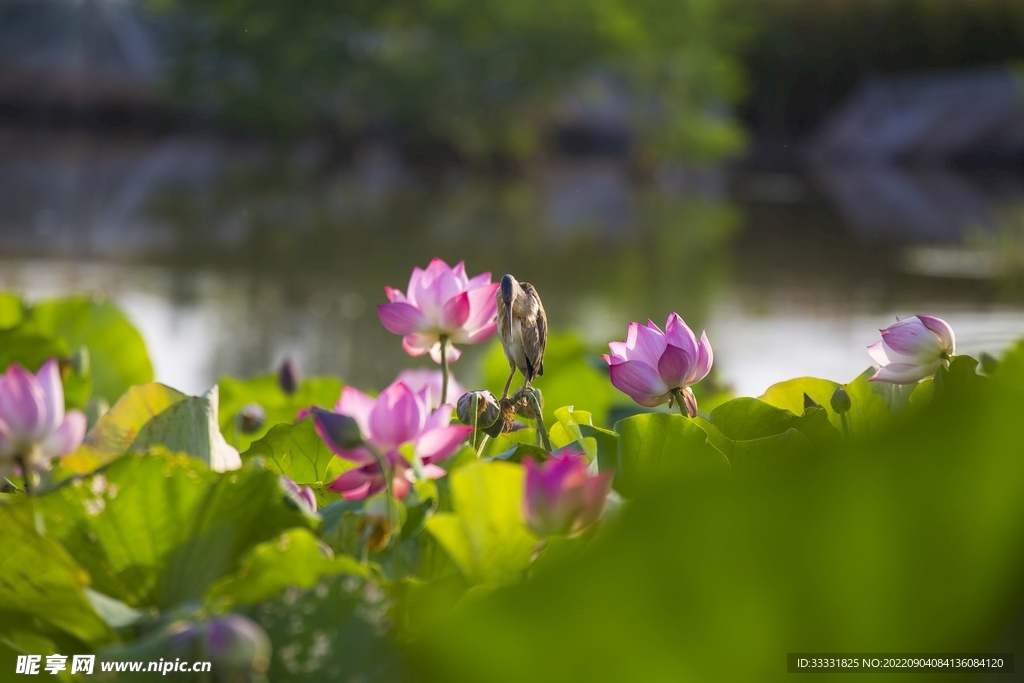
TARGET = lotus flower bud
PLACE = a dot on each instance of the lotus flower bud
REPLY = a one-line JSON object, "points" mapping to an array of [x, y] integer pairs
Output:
{"points": [[912, 349], [251, 417], [840, 401], [989, 363], [652, 366], [35, 426], [80, 361], [339, 431], [302, 496], [237, 645], [289, 376], [560, 497], [487, 409]]}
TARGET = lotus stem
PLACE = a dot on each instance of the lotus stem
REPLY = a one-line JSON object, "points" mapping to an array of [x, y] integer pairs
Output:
{"points": [[846, 426], [680, 403], [25, 473], [444, 369], [387, 477], [541, 431]]}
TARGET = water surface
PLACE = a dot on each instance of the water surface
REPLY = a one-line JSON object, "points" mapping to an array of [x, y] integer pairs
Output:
{"points": [[229, 256]]}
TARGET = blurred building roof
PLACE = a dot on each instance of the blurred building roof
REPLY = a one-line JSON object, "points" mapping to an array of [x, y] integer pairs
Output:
{"points": [[76, 52], [926, 118]]}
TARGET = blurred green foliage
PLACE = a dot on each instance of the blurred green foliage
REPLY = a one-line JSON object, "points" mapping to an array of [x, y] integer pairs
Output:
{"points": [[909, 543], [481, 78]]}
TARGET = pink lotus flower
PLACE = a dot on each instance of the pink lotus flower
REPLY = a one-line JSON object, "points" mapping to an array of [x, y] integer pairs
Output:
{"points": [[33, 424], [651, 365], [560, 497], [424, 379], [912, 349], [441, 301], [398, 416], [303, 496]]}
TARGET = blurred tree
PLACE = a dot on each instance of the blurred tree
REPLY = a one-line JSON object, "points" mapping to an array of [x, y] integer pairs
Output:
{"points": [[482, 79]]}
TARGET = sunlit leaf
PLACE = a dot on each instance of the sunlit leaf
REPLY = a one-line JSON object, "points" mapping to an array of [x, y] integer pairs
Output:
{"points": [[117, 354], [485, 534], [12, 310], [789, 395], [295, 558], [156, 530], [190, 426], [278, 406], [298, 452], [655, 445], [40, 579], [114, 433]]}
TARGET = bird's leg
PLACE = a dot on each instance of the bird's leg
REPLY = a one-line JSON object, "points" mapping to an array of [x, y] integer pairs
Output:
{"points": [[509, 382]]}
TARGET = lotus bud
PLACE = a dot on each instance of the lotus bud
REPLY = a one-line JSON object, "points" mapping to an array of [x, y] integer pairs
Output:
{"points": [[653, 367], [989, 363], [289, 376], [487, 409], [339, 431], [840, 401], [237, 645], [95, 408], [80, 361], [912, 349], [251, 417], [35, 426], [560, 496]]}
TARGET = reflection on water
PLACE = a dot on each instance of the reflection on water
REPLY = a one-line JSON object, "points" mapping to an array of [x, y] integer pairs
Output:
{"points": [[229, 256]]}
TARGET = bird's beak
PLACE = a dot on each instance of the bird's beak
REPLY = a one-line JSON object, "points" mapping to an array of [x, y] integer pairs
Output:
{"points": [[508, 308]]}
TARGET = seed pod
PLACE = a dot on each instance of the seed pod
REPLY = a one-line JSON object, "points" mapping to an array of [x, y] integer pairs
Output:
{"points": [[524, 408], [506, 418], [487, 409]]}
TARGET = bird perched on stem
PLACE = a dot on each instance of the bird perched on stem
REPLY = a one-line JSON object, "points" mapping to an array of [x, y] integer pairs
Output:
{"points": [[522, 329]]}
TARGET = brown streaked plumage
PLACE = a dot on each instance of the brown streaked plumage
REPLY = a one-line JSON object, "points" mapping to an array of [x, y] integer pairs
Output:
{"points": [[522, 329]]}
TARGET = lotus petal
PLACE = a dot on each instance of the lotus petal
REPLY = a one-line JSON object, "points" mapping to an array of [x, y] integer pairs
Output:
{"points": [[638, 380], [402, 318], [67, 437]]}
